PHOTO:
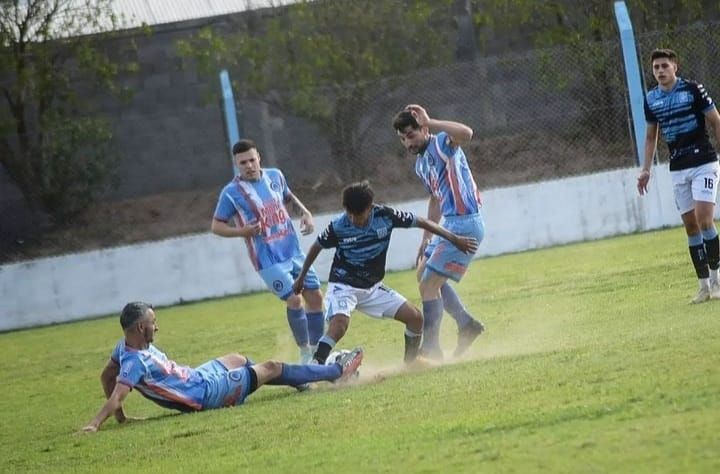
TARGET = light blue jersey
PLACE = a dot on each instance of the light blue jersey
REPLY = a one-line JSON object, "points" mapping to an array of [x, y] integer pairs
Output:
{"points": [[445, 172], [178, 387], [250, 202]]}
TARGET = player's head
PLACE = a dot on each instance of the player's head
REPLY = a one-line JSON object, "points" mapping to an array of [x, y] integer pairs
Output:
{"points": [[357, 199], [247, 159], [412, 136], [138, 319], [665, 66]]}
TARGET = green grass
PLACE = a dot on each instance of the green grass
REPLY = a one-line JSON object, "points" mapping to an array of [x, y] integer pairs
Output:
{"points": [[593, 362]]}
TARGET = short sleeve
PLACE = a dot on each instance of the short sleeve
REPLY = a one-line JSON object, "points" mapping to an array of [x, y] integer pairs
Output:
{"points": [[285, 188], [328, 238], [649, 115], [400, 218], [703, 102], [443, 141], [132, 370], [117, 352], [225, 208]]}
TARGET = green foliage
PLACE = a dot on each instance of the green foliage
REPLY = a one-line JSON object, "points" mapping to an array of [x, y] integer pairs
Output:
{"points": [[52, 142], [592, 362], [322, 59]]}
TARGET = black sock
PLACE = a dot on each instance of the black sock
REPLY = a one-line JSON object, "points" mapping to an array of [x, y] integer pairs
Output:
{"points": [[322, 352], [700, 260], [412, 344], [712, 248]]}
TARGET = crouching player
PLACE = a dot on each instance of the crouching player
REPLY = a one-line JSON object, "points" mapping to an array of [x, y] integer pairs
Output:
{"points": [[361, 236]]}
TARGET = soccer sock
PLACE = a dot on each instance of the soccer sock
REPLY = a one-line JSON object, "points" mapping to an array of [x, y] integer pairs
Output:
{"points": [[316, 326], [412, 344], [712, 248], [295, 375], [298, 325], [325, 345], [698, 256], [432, 314], [453, 305]]}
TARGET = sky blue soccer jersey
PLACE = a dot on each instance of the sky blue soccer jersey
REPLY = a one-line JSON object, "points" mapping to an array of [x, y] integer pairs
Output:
{"points": [[249, 202], [680, 114], [445, 172], [158, 378], [361, 252]]}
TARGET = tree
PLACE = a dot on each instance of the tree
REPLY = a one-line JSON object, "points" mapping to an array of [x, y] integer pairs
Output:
{"points": [[323, 60], [51, 142]]}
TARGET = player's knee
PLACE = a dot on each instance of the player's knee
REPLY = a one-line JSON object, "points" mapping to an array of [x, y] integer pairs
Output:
{"points": [[294, 301], [313, 299]]}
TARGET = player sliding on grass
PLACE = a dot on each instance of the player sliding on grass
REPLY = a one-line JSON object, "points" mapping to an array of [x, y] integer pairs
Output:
{"points": [[441, 165], [361, 236], [226, 381]]}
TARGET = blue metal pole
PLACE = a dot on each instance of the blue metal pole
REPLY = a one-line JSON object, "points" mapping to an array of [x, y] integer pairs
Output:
{"points": [[633, 76], [233, 131]]}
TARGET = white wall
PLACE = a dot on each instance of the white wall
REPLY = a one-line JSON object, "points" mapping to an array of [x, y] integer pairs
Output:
{"points": [[78, 286]]}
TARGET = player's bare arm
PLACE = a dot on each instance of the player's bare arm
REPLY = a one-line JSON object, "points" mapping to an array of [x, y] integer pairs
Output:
{"points": [[433, 214], [307, 226], [223, 229], [112, 404], [651, 136], [299, 283], [108, 378], [713, 118], [459, 133], [464, 244]]}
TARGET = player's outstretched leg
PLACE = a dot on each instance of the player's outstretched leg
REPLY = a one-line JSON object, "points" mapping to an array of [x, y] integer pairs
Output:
{"points": [[469, 328]]}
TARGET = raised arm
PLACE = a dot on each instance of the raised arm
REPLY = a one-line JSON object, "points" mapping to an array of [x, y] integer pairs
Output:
{"points": [[459, 132], [307, 226], [112, 405], [651, 136], [312, 254], [464, 244]]}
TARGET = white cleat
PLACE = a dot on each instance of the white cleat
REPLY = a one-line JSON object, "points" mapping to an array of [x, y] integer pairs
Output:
{"points": [[715, 290], [702, 296]]}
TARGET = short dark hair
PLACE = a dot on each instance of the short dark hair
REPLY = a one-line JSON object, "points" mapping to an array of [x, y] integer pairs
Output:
{"points": [[243, 145], [664, 53], [357, 197], [404, 119], [132, 312]]}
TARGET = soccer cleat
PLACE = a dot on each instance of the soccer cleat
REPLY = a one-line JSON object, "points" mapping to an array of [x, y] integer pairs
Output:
{"points": [[467, 335], [702, 296], [435, 354], [349, 362], [715, 290], [420, 363]]}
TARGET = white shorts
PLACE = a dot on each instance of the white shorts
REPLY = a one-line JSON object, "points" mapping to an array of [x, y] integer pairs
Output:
{"points": [[379, 301], [695, 184]]}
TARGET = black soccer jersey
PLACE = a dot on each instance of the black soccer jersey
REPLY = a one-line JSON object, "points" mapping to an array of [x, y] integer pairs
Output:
{"points": [[361, 252], [680, 114]]}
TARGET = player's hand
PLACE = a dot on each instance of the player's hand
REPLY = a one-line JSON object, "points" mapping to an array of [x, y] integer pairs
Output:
{"points": [[419, 113], [132, 419], [642, 182], [421, 251], [306, 224], [251, 230], [90, 429], [298, 285], [466, 245]]}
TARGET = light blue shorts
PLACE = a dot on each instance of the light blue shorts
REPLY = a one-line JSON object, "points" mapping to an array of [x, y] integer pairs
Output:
{"points": [[225, 388], [443, 257], [280, 277]]}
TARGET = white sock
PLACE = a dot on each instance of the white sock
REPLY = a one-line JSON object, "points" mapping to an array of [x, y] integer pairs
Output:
{"points": [[714, 275], [704, 283]]}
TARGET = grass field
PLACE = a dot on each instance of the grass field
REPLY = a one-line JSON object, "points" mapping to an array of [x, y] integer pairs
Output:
{"points": [[593, 362]]}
